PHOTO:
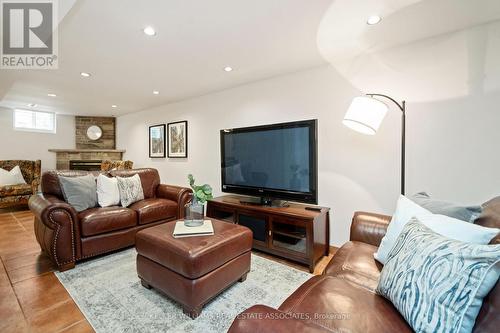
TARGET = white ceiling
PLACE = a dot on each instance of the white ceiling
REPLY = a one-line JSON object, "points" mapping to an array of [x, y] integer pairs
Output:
{"points": [[195, 41], [421, 50]]}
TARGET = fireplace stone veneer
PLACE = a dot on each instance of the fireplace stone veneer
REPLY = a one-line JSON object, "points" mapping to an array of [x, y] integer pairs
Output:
{"points": [[64, 156]]}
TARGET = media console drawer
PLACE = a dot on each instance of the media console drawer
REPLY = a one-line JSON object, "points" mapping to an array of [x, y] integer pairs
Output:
{"points": [[290, 232]]}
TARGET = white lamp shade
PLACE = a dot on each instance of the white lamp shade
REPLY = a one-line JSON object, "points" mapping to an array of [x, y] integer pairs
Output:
{"points": [[365, 115]]}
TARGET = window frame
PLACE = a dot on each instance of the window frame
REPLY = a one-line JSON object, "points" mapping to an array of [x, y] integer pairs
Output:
{"points": [[35, 130]]}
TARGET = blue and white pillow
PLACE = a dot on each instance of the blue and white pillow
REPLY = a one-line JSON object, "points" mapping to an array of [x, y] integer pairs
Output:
{"points": [[437, 283]]}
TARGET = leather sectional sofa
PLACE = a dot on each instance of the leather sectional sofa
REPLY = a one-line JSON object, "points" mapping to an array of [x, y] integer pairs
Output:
{"points": [[343, 300], [67, 236]]}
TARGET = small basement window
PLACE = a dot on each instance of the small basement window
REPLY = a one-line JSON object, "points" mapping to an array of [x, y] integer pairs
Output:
{"points": [[34, 121]]}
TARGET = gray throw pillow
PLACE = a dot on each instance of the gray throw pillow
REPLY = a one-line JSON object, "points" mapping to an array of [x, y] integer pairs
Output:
{"points": [[79, 192], [464, 213], [130, 189], [438, 284]]}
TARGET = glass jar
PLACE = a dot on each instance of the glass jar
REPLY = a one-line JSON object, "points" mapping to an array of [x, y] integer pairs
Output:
{"points": [[195, 214]]}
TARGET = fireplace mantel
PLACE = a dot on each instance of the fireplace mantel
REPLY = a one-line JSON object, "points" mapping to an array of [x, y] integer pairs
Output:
{"points": [[87, 150], [64, 156]]}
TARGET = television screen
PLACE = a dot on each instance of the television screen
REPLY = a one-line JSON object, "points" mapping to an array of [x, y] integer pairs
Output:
{"points": [[277, 158]]}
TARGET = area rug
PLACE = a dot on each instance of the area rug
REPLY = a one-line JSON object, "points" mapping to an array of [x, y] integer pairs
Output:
{"points": [[110, 295]]}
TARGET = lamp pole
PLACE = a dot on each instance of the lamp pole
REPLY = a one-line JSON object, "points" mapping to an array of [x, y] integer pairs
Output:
{"points": [[402, 107]]}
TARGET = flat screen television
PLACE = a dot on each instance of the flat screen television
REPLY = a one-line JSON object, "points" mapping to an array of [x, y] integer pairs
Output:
{"points": [[277, 161]]}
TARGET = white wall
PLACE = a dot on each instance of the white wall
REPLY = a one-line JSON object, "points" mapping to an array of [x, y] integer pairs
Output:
{"points": [[453, 148], [351, 174], [22, 145], [356, 172]]}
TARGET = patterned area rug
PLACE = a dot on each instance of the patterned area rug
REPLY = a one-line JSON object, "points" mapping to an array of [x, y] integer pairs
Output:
{"points": [[111, 297]]}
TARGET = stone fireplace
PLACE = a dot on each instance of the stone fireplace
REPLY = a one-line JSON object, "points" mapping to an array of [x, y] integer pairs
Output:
{"points": [[88, 153]]}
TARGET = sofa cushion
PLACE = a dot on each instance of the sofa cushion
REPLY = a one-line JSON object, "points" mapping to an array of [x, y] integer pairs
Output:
{"points": [[490, 217], [354, 262], [14, 190], [79, 192], [12, 177], [96, 221], [464, 213], [130, 189], [342, 306], [437, 283], [150, 179], [154, 209]]}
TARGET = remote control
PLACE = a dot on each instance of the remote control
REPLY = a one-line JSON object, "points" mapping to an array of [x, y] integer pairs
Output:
{"points": [[317, 209]]}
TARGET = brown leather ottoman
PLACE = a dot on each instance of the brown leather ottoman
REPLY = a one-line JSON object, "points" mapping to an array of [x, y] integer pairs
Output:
{"points": [[193, 270]]}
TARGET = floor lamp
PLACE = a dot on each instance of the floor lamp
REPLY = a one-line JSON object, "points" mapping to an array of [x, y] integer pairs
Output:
{"points": [[365, 116]]}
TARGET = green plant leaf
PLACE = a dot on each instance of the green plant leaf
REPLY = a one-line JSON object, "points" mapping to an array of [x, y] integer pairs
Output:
{"points": [[207, 188], [191, 180], [200, 195], [201, 192]]}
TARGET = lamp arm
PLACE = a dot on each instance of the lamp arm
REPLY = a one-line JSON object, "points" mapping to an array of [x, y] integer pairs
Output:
{"points": [[400, 106]]}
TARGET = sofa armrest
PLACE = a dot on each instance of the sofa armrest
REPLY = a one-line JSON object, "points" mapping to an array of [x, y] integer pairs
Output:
{"points": [[369, 228], [179, 194], [56, 229], [261, 318]]}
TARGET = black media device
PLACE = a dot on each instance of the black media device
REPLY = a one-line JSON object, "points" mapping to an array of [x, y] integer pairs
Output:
{"points": [[276, 161], [316, 209]]}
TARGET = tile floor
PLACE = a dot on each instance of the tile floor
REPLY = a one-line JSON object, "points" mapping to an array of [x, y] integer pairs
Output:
{"points": [[31, 297]]}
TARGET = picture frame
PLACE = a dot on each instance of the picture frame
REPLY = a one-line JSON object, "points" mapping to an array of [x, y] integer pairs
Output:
{"points": [[157, 141], [177, 139]]}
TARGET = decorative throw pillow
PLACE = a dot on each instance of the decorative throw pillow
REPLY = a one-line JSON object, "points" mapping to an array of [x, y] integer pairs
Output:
{"points": [[79, 192], [130, 189], [12, 177], [107, 191], [436, 283], [444, 225], [405, 210], [464, 213]]}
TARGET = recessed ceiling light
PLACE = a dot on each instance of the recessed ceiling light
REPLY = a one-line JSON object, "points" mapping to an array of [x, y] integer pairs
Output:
{"points": [[374, 19], [228, 69], [32, 105], [85, 74], [149, 30], [51, 95], [156, 92], [114, 106]]}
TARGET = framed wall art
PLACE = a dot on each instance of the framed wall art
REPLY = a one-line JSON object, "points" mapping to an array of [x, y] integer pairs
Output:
{"points": [[177, 136], [157, 141]]}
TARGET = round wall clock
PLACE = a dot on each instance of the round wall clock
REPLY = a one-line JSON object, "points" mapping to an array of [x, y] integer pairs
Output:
{"points": [[94, 132]]}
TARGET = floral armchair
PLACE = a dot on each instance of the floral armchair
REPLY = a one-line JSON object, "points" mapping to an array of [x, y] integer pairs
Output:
{"points": [[108, 165], [15, 195]]}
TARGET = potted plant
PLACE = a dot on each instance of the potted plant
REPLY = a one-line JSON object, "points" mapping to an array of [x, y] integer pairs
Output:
{"points": [[196, 209]]}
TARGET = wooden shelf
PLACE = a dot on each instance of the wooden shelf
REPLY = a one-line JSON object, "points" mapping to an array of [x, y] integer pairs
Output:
{"points": [[291, 235]]}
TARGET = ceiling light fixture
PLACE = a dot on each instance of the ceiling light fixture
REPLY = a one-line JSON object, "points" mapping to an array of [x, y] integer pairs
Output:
{"points": [[228, 69], [114, 106], [374, 19], [32, 105], [150, 31], [156, 92], [85, 74], [51, 95]]}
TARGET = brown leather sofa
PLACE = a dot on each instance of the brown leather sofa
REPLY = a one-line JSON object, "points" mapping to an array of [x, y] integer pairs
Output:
{"points": [[343, 300], [67, 236]]}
